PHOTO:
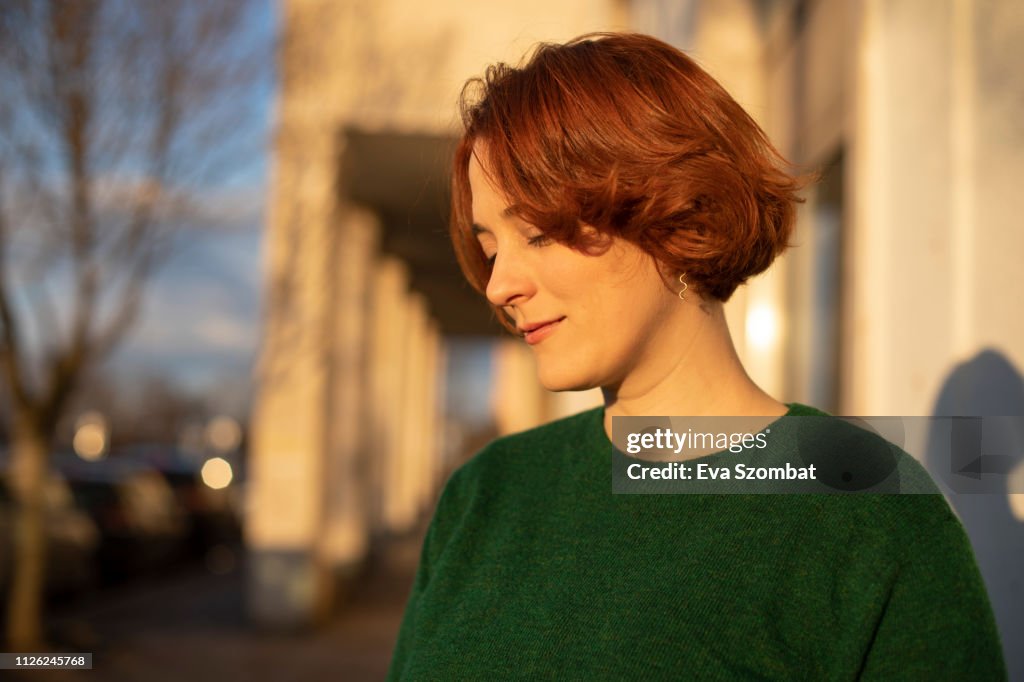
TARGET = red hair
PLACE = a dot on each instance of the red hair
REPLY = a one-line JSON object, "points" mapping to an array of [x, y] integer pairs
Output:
{"points": [[627, 134]]}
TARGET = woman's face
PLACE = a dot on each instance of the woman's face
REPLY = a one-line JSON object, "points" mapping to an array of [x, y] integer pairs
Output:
{"points": [[606, 315]]}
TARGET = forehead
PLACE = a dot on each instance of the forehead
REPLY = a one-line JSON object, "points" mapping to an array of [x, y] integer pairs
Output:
{"points": [[489, 202], [479, 171], [476, 175]]}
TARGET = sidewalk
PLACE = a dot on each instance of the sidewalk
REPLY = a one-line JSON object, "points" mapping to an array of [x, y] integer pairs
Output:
{"points": [[191, 626]]}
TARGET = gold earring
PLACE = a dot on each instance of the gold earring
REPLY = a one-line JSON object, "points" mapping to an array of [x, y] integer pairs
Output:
{"points": [[682, 292]]}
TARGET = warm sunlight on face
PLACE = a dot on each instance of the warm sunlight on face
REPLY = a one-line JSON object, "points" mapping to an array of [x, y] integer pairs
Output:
{"points": [[590, 319]]}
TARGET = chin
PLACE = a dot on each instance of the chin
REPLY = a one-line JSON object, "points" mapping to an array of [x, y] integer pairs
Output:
{"points": [[564, 378]]}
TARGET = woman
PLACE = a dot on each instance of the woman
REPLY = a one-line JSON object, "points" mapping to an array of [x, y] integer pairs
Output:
{"points": [[608, 198]]}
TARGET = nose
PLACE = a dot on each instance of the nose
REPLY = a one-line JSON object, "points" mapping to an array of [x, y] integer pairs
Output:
{"points": [[510, 282]]}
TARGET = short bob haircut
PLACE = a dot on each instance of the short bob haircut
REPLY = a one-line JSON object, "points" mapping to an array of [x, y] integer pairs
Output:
{"points": [[625, 133]]}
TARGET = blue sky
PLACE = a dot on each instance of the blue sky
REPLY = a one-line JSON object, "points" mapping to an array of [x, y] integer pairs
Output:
{"points": [[200, 322]]}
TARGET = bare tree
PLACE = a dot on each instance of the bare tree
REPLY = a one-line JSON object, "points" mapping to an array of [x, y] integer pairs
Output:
{"points": [[114, 117]]}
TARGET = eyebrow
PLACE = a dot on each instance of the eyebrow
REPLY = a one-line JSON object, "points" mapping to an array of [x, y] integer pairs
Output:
{"points": [[507, 213]]}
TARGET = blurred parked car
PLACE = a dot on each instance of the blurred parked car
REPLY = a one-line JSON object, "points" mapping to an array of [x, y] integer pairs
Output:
{"points": [[72, 540], [212, 514], [142, 526]]}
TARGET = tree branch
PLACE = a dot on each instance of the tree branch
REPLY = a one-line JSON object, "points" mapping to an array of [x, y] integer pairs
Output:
{"points": [[10, 344]]}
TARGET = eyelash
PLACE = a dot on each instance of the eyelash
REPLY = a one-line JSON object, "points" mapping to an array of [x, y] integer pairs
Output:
{"points": [[538, 241]]}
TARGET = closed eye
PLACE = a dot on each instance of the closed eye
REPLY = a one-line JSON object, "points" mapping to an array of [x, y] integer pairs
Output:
{"points": [[537, 241]]}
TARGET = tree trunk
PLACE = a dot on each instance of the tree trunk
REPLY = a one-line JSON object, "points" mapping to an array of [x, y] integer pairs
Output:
{"points": [[29, 465]]}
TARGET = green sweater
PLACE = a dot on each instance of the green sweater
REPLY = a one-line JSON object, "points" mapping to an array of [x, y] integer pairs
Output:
{"points": [[533, 569]]}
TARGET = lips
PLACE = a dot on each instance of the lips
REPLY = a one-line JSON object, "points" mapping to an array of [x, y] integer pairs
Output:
{"points": [[537, 331], [526, 328]]}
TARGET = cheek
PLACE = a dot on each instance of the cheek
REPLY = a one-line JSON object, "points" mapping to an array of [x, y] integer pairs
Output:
{"points": [[573, 279], [641, 309], [615, 295]]}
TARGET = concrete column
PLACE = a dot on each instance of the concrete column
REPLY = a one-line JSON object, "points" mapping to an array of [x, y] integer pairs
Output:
{"points": [[442, 445], [287, 580], [387, 363], [433, 413], [401, 420], [346, 526], [430, 415], [409, 472], [906, 204], [424, 407]]}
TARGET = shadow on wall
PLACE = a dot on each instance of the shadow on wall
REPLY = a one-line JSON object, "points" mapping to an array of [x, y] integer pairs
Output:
{"points": [[989, 385]]}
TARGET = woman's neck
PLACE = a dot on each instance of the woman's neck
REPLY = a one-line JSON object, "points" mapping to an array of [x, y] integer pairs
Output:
{"points": [[703, 377]]}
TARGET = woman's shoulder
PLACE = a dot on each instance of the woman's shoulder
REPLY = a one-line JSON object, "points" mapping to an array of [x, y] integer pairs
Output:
{"points": [[870, 481], [525, 447], [857, 455], [527, 454]]}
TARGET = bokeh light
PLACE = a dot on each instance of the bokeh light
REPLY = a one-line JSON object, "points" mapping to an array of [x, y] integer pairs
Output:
{"points": [[223, 433], [762, 326], [90, 439], [217, 473]]}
